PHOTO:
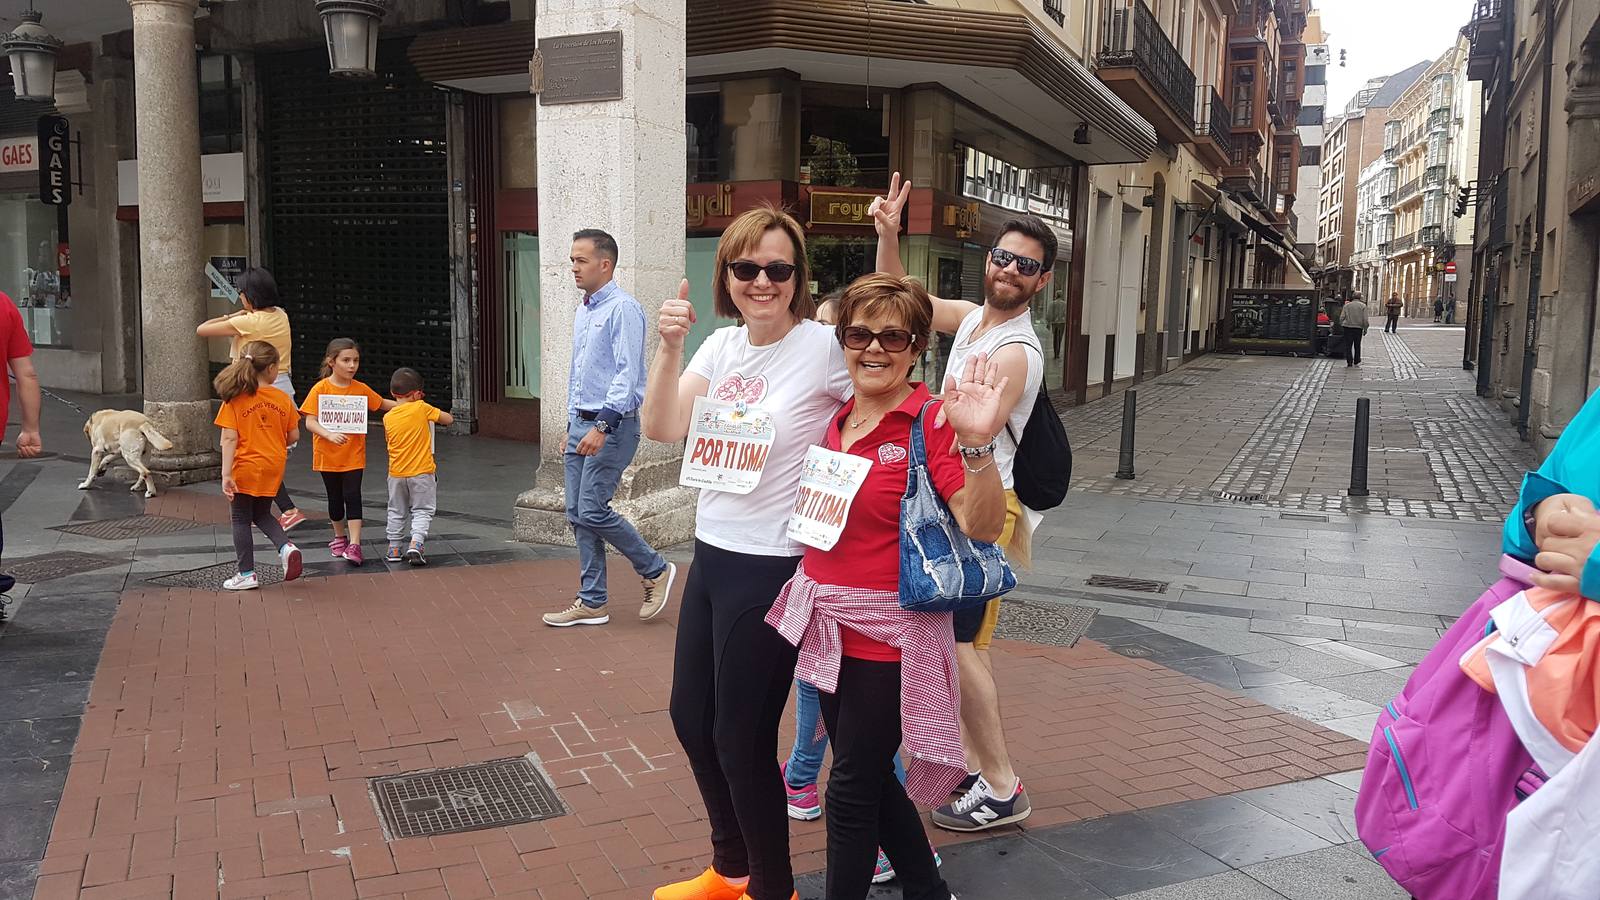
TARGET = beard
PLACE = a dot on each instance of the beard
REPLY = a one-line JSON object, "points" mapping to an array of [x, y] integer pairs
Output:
{"points": [[1003, 294]]}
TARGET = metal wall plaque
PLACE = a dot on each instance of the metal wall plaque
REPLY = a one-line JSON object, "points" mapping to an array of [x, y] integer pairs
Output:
{"points": [[578, 68]]}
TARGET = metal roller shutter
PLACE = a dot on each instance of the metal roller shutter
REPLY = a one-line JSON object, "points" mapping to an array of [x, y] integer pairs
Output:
{"points": [[358, 214]]}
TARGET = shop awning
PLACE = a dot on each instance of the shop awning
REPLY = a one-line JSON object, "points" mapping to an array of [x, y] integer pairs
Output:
{"points": [[1002, 63], [1225, 210], [1276, 241]]}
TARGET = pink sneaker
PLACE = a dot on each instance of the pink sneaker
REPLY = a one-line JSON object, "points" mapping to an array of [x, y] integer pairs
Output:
{"points": [[337, 546], [352, 555], [803, 803]]}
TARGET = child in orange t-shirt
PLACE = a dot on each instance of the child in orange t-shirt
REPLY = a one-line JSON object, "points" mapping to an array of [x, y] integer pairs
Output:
{"points": [[413, 493], [341, 455], [258, 424]]}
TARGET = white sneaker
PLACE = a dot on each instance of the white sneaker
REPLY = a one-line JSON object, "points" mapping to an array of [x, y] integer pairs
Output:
{"points": [[241, 582], [656, 592], [290, 554]]}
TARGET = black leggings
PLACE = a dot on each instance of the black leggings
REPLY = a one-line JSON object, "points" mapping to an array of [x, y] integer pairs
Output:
{"points": [[731, 678], [247, 510], [344, 494], [867, 806]]}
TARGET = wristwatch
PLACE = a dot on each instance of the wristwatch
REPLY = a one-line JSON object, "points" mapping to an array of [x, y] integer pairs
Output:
{"points": [[604, 427]]}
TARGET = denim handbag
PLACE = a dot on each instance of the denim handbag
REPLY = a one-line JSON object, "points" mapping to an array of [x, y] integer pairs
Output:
{"points": [[941, 569]]}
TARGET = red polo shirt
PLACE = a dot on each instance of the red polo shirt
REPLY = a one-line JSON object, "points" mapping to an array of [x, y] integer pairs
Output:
{"points": [[13, 345], [868, 552]]}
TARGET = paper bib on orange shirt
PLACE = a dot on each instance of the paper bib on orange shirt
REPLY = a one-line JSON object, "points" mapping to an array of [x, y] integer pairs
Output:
{"points": [[342, 413], [829, 481], [727, 446]]}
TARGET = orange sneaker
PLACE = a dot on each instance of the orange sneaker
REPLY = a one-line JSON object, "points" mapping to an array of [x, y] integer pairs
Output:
{"points": [[747, 896], [708, 886]]}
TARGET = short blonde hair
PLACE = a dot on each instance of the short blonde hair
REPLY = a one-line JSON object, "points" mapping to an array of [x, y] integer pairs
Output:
{"points": [[741, 236], [902, 299]]}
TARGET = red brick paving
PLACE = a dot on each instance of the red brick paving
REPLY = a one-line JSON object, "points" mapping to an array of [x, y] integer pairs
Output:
{"points": [[228, 739]]}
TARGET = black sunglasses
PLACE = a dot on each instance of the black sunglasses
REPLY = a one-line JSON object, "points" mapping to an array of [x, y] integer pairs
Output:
{"points": [[893, 340], [777, 273], [1026, 265]]}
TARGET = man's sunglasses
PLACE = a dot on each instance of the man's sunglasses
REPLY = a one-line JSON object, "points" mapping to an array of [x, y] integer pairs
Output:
{"points": [[893, 340], [777, 273], [1027, 266]]}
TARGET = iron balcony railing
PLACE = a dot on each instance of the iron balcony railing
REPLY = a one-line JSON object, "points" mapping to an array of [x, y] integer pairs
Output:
{"points": [[1407, 190], [1403, 243], [1052, 8], [1433, 176], [1211, 117], [1439, 120], [1132, 37]]}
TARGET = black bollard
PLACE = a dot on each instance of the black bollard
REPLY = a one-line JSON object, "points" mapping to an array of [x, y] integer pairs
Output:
{"points": [[1358, 454], [1130, 403]]}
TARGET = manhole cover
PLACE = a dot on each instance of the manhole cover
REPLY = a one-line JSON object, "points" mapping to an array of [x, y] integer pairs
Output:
{"points": [[35, 569], [444, 801], [210, 578], [1058, 624], [129, 528], [1232, 497], [1122, 583]]}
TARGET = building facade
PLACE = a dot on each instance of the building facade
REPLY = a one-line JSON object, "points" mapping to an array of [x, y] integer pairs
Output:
{"points": [[1312, 125], [1432, 139], [1374, 230], [1532, 325]]}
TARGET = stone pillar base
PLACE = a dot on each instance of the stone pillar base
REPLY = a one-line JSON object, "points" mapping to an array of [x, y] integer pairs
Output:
{"points": [[649, 497], [194, 456]]}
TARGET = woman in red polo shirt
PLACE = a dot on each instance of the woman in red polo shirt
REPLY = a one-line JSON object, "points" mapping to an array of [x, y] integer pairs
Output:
{"points": [[886, 675]]}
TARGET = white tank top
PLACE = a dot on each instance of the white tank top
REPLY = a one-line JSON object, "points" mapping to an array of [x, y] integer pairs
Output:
{"points": [[1018, 329]]}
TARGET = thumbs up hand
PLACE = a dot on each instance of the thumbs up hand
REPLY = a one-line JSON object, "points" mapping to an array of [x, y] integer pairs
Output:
{"points": [[677, 316]]}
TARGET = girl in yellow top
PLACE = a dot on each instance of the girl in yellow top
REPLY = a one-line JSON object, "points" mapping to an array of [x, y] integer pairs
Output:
{"points": [[258, 424], [261, 319], [341, 455]]}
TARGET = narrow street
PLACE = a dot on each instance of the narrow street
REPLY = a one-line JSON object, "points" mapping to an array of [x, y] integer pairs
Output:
{"points": [[1204, 740]]}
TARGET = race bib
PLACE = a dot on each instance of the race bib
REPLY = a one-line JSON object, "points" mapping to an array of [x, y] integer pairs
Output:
{"points": [[342, 414], [829, 481], [727, 447]]}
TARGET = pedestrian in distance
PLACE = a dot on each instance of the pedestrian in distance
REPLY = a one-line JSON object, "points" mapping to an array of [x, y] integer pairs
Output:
{"points": [[258, 423], [1018, 269], [341, 456], [18, 352], [1438, 310], [779, 370], [1353, 319], [885, 674], [1391, 309], [261, 318], [413, 488], [605, 386]]}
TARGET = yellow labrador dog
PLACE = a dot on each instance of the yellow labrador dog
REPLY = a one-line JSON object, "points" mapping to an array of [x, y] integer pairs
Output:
{"points": [[127, 432]]}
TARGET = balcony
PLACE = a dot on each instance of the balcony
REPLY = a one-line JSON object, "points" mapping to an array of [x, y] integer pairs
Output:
{"points": [[1402, 243], [1407, 190], [1141, 66], [1212, 132], [1439, 120], [1433, 177], [1487, 32], [1430, 235], [1246, 177], [1052, 8]]}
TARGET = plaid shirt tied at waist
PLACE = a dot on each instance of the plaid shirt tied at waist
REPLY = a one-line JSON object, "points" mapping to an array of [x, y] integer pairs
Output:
{"points": [[809, 615]]}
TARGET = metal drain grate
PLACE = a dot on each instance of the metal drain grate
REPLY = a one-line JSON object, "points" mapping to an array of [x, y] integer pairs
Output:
{"points": [[466, 798], [210, 578], [1123, 583], [1303, 517], [44, 567], [1231, 497], [129, 528], [1057, 624]]}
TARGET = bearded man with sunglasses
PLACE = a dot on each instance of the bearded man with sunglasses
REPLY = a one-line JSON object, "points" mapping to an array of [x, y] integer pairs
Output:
{"points": [[1018, 268]]}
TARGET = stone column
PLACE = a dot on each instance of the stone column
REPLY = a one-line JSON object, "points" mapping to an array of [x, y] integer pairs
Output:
{"points": [[172, 284], [616, 165]]}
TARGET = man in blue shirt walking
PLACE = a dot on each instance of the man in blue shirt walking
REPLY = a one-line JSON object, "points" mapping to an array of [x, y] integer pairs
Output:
{"points": [[604, 389]]}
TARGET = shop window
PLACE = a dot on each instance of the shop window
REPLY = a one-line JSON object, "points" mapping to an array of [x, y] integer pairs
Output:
{"points": [[844, 141], [221, 104], [31, 259], [703, 114]]}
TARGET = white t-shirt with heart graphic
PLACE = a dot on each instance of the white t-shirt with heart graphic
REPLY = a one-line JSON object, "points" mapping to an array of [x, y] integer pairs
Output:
{"points": [[801, 380]]}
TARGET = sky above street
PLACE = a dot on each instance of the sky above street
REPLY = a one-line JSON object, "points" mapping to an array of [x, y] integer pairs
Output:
{"points": [[1381, 37]]}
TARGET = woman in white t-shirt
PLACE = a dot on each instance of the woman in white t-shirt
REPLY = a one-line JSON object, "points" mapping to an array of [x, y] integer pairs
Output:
{"points": [[732, 672]]}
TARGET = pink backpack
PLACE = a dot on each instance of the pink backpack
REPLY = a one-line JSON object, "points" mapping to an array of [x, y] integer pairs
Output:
{"points": [[1445, 768]]}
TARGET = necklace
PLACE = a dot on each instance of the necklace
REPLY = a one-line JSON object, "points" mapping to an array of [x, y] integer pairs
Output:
{"points": [[858, 421]]}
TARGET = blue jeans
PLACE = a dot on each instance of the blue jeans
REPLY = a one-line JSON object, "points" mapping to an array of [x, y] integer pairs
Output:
{"points": [[591, 482], [805, 760]]}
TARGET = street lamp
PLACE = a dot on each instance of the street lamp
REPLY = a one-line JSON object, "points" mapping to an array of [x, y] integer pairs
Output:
{"points": [[33, 58], [351, 29]]}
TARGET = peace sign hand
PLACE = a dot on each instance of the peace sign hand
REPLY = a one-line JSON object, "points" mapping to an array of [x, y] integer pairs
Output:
{"points": [[972, 404], [885, 210]]}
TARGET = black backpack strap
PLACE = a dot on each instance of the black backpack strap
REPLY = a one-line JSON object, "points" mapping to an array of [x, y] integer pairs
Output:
{"points": [[1009, 433]]}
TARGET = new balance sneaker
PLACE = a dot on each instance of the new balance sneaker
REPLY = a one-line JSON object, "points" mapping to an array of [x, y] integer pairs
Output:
{"points": [[352, 555], [656, 592], [244, 581], [979, 810], [414, 554], [337, 546], [290, 554], [966, 784], [578, 614], [393, 556], [709, 886], [885, 872], [290, 519], [804, 805]]}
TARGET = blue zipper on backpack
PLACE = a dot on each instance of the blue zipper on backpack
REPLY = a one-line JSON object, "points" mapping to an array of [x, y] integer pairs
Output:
{"points": [[1400, 764]]}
